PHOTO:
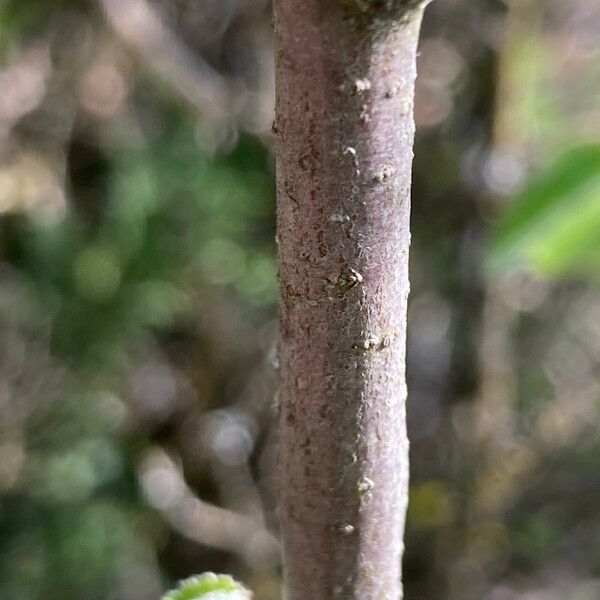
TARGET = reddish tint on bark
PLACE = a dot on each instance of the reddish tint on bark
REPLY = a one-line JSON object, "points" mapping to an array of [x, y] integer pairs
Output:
{"points": [[344, 127]]}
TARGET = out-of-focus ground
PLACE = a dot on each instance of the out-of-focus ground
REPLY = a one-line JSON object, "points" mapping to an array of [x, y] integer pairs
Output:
{"points": [[138, 299]]}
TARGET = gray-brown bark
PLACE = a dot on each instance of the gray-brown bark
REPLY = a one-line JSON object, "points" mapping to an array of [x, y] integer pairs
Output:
{"points": [[344, 126]]}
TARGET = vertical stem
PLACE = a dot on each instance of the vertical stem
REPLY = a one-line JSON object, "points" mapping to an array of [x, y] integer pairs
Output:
{"points": [[345, 85]]}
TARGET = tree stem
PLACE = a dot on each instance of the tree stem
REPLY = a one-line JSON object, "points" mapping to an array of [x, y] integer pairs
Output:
{"points": [[344, 125]]}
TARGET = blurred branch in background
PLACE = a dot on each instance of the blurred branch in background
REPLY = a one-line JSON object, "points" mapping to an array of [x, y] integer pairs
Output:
{"points": [[23, 85], [141, 25], [200, 521]]}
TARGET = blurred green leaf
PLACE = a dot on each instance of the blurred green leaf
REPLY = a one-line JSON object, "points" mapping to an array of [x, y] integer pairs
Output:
{"points": [[553, 227], [538, 536]]}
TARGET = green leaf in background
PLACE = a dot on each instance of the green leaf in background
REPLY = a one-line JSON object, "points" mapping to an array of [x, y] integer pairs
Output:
{"points": [[553, 227], [209, 586]]}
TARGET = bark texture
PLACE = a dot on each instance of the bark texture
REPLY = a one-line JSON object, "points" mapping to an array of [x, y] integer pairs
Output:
{"points": [[344, 127]]}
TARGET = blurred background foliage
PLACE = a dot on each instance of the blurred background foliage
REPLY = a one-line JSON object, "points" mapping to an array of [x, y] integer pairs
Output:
{"points": [[138, 299]]}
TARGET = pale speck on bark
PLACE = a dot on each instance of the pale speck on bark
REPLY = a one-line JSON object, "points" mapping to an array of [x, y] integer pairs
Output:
{"points": [[344, 126]]}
